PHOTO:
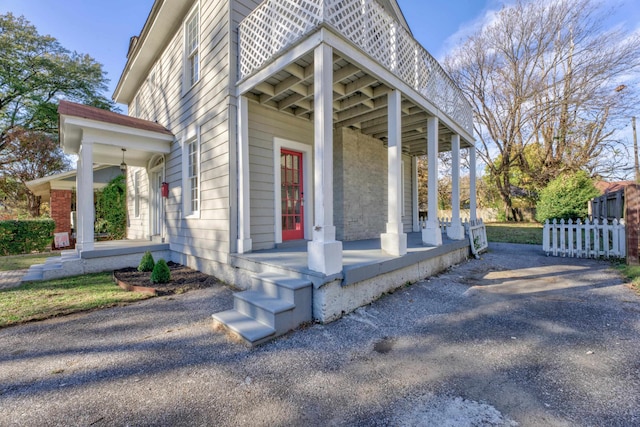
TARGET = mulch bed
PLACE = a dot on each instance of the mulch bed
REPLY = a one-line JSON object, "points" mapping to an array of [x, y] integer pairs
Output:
{"points": [[183, 279]]}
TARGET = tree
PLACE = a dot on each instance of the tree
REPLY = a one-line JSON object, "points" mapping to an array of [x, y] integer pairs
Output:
{"points": [[566, 197], [35, 72], [545, 81], [30, 155]]}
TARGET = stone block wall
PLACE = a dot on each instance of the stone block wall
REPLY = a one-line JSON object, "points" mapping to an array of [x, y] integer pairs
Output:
{"points": [[360, 183]]}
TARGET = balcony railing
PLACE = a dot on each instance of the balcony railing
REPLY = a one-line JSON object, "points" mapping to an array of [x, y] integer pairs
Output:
{"points": [[276, 25]]}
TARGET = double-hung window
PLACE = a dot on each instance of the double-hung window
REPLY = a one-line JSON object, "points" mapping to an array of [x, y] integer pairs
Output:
{"points": [[192, 48], [193, 176]]}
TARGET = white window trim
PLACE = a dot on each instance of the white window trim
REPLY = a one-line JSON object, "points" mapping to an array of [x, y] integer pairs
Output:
{"points": [[307, 182], [192, 134], [186, 71]]}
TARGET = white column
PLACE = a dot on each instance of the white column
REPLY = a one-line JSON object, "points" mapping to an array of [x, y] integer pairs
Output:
{"points": [[431, 235], [394, 241], [472, 184], [84, 197], [324, 252], [414, 194], [455, 231], [244, 212]]}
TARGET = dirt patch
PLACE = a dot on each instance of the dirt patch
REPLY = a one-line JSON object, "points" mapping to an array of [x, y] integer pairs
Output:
{"points": [[183, 279]]}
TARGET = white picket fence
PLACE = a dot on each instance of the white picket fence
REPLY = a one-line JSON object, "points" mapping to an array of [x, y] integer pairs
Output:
{"points": [[474, 229], [588, 239]]}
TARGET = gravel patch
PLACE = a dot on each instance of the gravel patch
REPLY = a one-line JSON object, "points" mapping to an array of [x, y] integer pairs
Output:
{"points": [[514, 338]]}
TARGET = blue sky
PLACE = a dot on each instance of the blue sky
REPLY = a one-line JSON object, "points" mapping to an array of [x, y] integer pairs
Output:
{"points": [[102, 28]]}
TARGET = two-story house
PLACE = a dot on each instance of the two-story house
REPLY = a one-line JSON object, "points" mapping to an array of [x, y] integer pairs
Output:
{"points": [[274, 144]]}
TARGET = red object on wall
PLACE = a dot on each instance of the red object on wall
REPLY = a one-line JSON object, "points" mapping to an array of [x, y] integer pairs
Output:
{"points": [[165, 189]]}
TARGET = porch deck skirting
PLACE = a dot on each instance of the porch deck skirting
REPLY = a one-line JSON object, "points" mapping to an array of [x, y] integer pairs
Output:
{"points": [[367, 272]]}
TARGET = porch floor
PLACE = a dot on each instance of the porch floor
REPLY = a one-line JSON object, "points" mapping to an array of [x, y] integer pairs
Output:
{"points": [[123, 247], [362, 259]]}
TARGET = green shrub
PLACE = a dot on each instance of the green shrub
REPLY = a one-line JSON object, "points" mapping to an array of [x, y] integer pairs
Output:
{"points": [[161, 272], [25, 236], [111, 208], [146, 263], [566, 197]]}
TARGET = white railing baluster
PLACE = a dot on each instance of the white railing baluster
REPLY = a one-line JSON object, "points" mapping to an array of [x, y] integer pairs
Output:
{"points": [[591, 239]]}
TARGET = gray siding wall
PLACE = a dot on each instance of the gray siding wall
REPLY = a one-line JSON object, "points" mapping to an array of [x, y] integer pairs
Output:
{"points": [[360, 181], [264, 125], [203, 108]]}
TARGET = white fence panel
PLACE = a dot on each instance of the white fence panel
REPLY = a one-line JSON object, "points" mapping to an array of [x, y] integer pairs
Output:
{"points": [[591, 239]]}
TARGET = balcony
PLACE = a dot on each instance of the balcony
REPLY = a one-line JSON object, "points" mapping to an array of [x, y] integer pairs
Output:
{"points": [[276, 26]]}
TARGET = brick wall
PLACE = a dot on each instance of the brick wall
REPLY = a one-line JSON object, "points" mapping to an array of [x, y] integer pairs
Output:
{"points": [[60, 205], [632, 218]]}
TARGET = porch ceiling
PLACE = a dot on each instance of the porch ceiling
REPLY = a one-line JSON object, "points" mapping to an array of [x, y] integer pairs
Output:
{"points": [[359, 102]]}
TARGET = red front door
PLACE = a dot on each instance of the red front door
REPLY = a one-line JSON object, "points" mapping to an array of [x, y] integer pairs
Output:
{"points": [[292, 194]]}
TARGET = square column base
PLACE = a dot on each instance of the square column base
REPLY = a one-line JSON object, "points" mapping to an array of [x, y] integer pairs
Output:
{"points": [[244, 246], [431, 235], [325, 257], [455, 231], [394, 244]]}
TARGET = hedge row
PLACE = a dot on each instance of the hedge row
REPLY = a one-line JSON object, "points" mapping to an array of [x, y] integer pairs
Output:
{"points": [[23, 237]]}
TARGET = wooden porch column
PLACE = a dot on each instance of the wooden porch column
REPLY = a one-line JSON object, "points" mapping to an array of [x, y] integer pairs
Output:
{"points": [[431, 235], [84, 198], [394, 241], [455, 231], [324, 252], [244, 209], [472, 184]]}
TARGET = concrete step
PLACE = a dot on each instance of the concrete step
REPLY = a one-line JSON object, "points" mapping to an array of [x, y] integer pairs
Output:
{"points": [[31, 276], [274, 312], [277, 302], [243, 328]]}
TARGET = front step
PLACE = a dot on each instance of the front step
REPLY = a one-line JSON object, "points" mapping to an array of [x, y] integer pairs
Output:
{"points": [[273, 306]]}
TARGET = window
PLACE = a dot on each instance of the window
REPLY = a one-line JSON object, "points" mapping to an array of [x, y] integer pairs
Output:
{"points": [[192, 44], [136, 194], [192, 187]]}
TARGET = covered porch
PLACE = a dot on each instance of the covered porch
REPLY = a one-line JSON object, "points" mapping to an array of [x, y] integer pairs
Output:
{"points": [[103, 137], [315, 62]]}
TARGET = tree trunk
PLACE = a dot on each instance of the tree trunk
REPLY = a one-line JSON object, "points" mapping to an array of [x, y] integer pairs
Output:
{"points": [[33, 204]]}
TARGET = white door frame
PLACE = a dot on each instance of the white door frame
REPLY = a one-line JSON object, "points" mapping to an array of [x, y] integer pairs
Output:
{"points": [[307, 177], [156, 203]]}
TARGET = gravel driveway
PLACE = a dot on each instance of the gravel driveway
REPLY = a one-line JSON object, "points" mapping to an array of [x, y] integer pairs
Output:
{"points": [[515, 338]]}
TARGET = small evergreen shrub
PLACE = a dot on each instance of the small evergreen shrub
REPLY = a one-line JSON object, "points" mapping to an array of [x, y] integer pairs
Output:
{"points": [[146, 263], [161, 272]]}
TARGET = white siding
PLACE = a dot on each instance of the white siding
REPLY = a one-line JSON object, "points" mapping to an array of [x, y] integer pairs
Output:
{"points": [[162, 97]]}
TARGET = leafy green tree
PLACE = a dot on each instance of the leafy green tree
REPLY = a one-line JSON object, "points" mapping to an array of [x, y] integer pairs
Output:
{"points": [[566, 197], [35, 72], [111, 209]]}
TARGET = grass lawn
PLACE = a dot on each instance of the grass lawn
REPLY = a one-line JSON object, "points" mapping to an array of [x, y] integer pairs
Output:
{"points": [[515, 232], [632, 274], [18, 262], [41, 300]]}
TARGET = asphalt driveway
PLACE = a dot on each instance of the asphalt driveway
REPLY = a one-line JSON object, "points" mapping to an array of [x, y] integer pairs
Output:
{"points": [[515, 338]]}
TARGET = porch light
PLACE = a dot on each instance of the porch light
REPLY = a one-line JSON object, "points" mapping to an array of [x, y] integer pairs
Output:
{"points": [[123, 165]]}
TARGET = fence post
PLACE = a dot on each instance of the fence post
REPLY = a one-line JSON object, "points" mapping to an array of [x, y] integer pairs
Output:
{"points": [[554, 236], [545, 237]]}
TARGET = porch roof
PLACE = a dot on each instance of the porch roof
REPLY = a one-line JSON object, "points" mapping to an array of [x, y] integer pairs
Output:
{"points": [[108, 130], [373, 54]]}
